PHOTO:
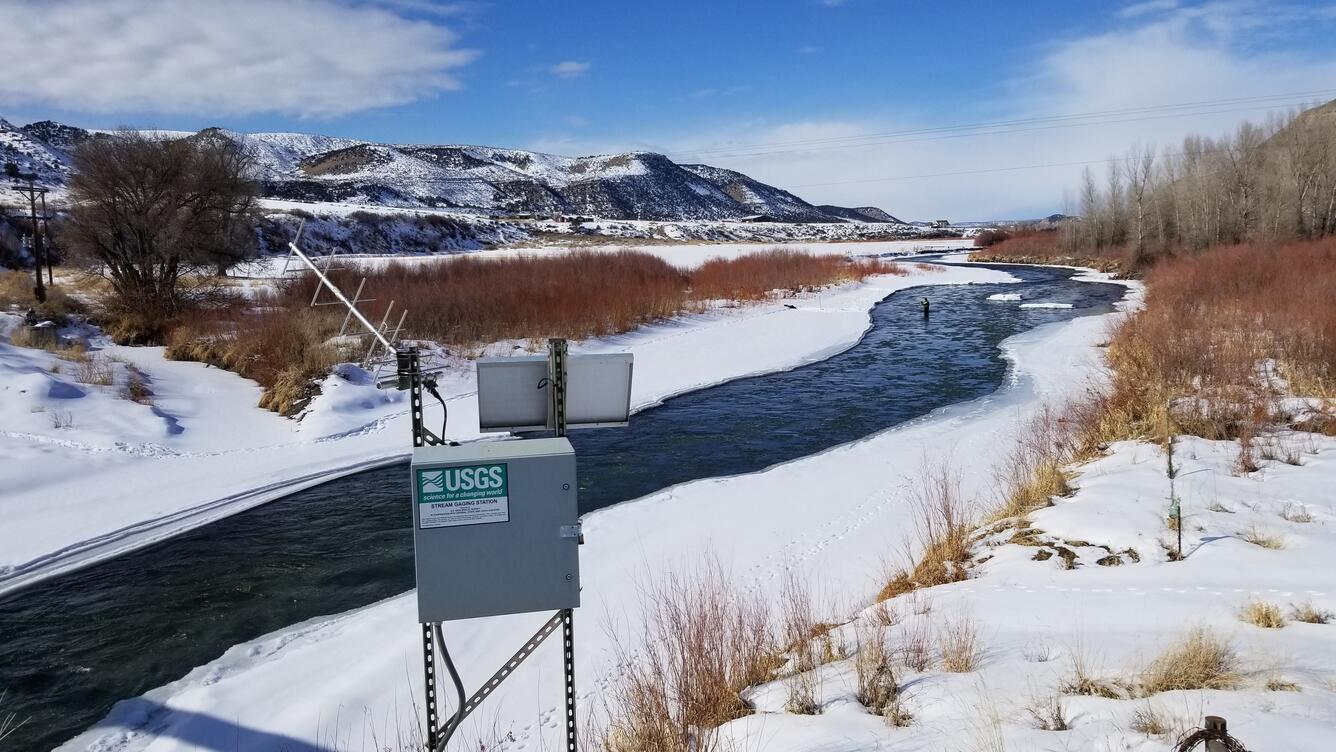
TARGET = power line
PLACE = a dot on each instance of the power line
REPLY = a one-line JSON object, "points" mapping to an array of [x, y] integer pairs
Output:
{"points": [[997, 169], [1166, 155], [1001, 127]]}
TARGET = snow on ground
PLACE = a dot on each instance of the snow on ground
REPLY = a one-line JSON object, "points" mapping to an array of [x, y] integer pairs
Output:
{"points": [[88, 475], [1038, 619], [834, 518], [681, 255], [1046, 305]]}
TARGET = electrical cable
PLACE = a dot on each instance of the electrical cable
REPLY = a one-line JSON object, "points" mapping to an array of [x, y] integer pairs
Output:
{"points": [[450, 727], [445, 411], [1268, 101]]}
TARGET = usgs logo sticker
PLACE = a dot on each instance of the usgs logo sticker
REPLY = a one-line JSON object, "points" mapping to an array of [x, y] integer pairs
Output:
{"points": [[469, 495]]}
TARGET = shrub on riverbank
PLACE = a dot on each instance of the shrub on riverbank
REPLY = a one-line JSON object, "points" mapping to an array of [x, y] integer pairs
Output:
{"points": [[1042, 247], [1223, 334], [468, 301]]}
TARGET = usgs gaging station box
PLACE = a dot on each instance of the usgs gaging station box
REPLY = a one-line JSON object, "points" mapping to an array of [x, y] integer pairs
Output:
{"points": [[495, 529]]}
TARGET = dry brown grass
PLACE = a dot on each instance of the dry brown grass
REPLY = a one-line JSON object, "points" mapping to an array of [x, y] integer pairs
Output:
{"points": [[703, 643], [1032, 474], [1308, 613], [1296, 513], [1262, 614], [1201, 660], [1152, 720], [915, 648], [284, 350], [897, 714], [1084, 679], [1047, 712], [943, 534], [960, 644], [94, 370], [137, 387], [49, 340], [1264, 538], [16, 292], [877, 687]]}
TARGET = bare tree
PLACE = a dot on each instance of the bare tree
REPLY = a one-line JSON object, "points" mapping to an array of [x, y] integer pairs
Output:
{"points": [[146, 211], [1138, 168], [1270, 182]]}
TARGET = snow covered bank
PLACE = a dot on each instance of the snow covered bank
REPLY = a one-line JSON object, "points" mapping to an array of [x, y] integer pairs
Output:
{"points": [[88, 475], [1089, 592], [833, 518]]}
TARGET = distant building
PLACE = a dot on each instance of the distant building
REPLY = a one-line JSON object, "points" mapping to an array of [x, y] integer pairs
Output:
{"points": [[940, 223], [757, 218]]}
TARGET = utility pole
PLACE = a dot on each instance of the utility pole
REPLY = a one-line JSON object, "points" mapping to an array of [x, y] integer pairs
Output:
{"points": [[47, 244], [32, 192]]}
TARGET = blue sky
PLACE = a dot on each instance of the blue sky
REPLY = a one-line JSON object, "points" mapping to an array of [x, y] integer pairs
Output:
{"points": [[706, 81]]}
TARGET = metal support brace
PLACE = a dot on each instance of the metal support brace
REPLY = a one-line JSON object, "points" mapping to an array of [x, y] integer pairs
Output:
{"points": [[470, 705]]}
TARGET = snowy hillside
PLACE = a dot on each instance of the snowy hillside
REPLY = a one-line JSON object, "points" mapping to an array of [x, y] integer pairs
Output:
{"points": [[315, 168], [30, 154], [859, 213]]}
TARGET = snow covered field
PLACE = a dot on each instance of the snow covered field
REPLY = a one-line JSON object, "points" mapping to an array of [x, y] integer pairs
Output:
{"points": [[682, 255], [88, 474], [833, 518]]}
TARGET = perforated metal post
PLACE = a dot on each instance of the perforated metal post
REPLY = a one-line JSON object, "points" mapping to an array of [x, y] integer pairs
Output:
{"points": [[556, 374], [410, 377], [568, 656], [429, 694]]}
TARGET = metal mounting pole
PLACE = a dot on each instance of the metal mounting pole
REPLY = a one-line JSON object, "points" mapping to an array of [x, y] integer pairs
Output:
{"points": [[429, 666], [557, 349], [568, 657], [556, 374], [410, 378]]}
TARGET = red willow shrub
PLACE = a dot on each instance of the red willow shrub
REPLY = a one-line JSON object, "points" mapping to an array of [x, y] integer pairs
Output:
{"points": [[1212, 320], [470, 300], [474, 299], [754, 276]]}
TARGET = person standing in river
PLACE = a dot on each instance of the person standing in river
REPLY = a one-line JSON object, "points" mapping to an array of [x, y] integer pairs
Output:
{"points": [[925, 305]]}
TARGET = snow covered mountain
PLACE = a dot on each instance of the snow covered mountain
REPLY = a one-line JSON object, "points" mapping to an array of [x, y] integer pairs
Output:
{"points": [[859, 214], [23, 152], [636, 185]]}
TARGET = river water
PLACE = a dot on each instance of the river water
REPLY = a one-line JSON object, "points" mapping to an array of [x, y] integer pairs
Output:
{"points": [[73, 646]]}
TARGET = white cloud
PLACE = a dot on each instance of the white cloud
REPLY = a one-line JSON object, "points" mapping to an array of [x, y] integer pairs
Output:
{"points": [[312, 58], [569, 69], [1136, 10], [1195, 54], [430, 7]]}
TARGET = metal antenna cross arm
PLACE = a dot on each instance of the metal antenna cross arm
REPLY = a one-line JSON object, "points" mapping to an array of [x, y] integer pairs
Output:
{"points": [[324, 280]]}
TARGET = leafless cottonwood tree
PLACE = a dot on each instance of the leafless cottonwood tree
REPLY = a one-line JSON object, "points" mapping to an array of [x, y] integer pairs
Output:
{"points": [[145, 211], [1269, 182]]}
